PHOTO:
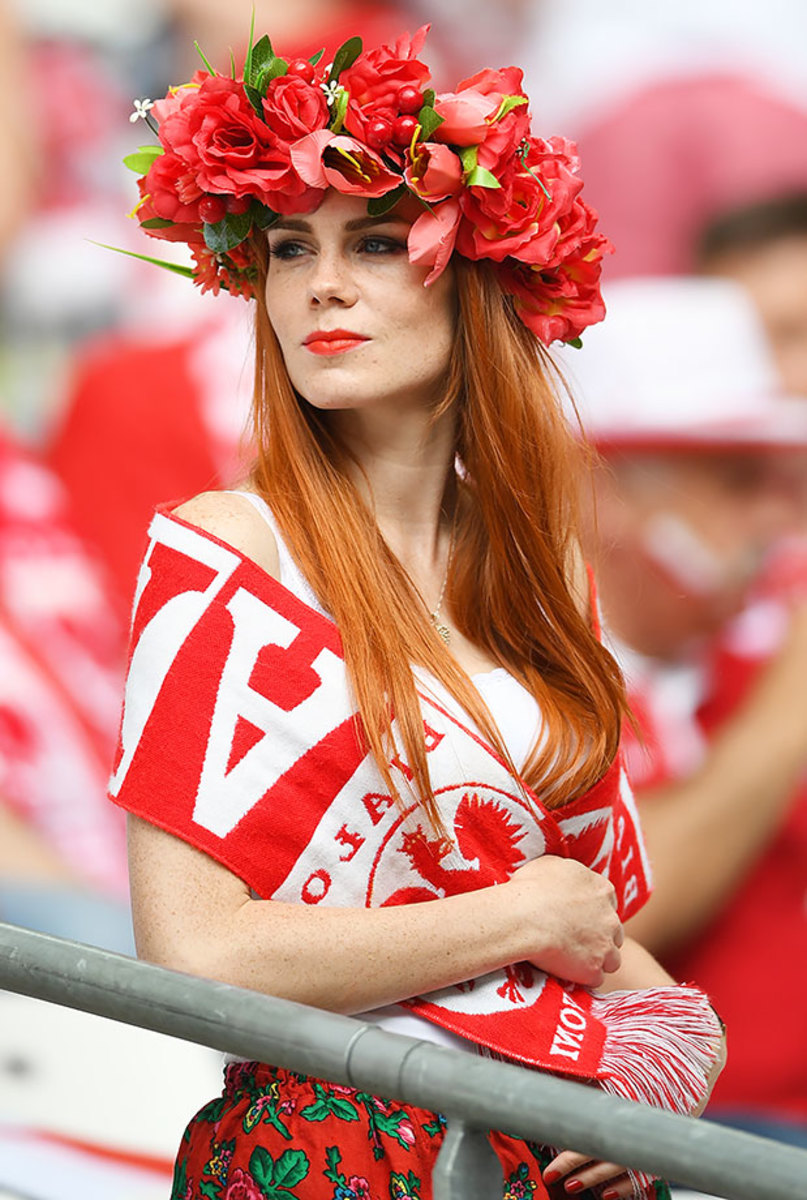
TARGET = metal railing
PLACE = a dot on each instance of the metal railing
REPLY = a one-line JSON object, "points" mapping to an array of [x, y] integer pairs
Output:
{"points": [[475, 1094]]}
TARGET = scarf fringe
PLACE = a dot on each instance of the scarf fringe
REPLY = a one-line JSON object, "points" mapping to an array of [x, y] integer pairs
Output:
{"points": [[660, 1047]]}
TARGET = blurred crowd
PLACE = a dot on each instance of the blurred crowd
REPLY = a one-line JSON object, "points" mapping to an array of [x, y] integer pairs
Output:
{"points": [[116, 395]]}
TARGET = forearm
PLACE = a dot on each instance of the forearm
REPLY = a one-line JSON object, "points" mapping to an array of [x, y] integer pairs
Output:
{"points": [[192, 913], [638, 969], [704, 833], [349, 960]]}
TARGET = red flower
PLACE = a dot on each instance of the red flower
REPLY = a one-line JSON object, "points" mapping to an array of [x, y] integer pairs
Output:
{"points": [[521, 218], [435, 172], [212, 272], [172, 190], [558, 302], [324, 160], [376, 77], [241, 1186], [231, 151], [178, 97], [470, 116], [292, 108]]}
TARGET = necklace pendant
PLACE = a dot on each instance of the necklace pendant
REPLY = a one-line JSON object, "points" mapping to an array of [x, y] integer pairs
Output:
{"points": [[443, 631]]}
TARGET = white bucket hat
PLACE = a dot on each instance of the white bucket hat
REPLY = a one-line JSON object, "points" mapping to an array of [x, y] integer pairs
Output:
{"points": [[680, 363]]}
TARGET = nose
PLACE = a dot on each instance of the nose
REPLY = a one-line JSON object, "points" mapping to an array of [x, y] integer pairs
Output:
{"points": [[331, 279]]}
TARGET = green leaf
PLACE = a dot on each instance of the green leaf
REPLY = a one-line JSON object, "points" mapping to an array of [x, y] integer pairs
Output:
{"points": [[481, 177], [429, 97], [316, 1112], [345, 56], [291, 1168], [177, 268], [141, 159], [343, 1109], [340, 112], [210, 1189], [200, 52], [315, 58], [469, 156], [576, 343], [262, 1167], [248, 59], [273, 70], [255, 98], [232, 65], [429, 120], [228, 233], [262, 54], [507, 105], [262, 216], [156, 223], [383, 204]]}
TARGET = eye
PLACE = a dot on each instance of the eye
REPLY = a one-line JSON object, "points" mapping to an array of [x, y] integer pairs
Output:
{"points": [[287, 248], [377, 244]]}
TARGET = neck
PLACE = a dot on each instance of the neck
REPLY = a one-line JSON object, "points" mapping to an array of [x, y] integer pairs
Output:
{"points": [[404, 469]]}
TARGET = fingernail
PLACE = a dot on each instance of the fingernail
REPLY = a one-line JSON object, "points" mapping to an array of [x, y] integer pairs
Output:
{"points": [[551, 1175], [574, 1185], [610, 1194]]}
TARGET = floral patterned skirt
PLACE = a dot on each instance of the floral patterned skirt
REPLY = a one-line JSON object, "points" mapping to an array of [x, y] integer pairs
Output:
{"points": [[274, 1134]]}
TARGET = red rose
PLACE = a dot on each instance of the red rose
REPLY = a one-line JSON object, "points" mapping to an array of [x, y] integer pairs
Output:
{"points": [[470, 111], [521, 218], [172, 190], [292, 108], [375, 79], [231, 151], [557, 303], [177, 97]]}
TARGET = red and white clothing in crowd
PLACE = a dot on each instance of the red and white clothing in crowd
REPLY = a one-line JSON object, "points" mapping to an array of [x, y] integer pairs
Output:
{"points": [[757, 942], [61, 652], [151, 419]]}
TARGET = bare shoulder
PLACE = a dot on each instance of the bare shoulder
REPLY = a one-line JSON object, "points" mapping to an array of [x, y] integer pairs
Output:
{"points": [[231, 517]]}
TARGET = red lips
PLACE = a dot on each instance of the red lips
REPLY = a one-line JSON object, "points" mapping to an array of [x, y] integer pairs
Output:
{"points": [[333, 341]]}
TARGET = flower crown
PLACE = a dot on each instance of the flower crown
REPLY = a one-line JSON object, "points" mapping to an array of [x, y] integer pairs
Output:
{"points": [[236, 153]]}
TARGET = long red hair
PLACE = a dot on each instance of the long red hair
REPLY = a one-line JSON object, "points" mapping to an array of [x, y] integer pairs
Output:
{"points": [[510, 583]]}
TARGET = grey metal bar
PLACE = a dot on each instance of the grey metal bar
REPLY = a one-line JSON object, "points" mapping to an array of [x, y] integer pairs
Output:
{"points": [[479, 1092], [466, 1167]]}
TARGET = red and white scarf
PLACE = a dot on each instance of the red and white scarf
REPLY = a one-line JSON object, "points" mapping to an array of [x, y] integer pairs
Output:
{"points": [[239, 736]]}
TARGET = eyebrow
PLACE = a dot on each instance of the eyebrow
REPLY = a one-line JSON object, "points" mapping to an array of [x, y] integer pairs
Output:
{"points": [[351, 226]]}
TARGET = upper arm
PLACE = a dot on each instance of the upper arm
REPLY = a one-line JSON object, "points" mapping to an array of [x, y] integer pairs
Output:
{"points": [[233, 520], [180, 895]]}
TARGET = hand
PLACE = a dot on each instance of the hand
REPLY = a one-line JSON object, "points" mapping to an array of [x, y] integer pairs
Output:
{"points": [[569, 912], [579, 1171]]}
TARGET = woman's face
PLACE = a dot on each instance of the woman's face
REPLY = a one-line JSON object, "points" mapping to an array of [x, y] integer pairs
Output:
{"points": [[357, 328]]}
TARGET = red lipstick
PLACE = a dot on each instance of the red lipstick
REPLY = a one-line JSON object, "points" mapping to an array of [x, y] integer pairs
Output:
{"points": [[333, 341]]}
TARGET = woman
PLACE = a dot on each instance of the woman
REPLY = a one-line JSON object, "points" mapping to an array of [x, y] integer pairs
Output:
{"points": [[306, 801]]}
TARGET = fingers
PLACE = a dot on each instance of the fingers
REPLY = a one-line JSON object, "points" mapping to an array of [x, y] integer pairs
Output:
{"points": [[576, 1172]]}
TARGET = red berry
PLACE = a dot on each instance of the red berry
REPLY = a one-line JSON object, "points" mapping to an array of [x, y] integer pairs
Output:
{"points": [[410, 100], [379, 133], [403, 130], [212, 209], [238, 205], [303, 68]]}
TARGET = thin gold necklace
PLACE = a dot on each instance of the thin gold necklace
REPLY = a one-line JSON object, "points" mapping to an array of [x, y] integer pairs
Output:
{"points": [[441, 628]]}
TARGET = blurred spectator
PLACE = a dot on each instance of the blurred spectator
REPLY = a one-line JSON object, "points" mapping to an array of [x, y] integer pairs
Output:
{"points": [[62, 851], [763, 246], [709, 173], [150, 420], [703, 472]]}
